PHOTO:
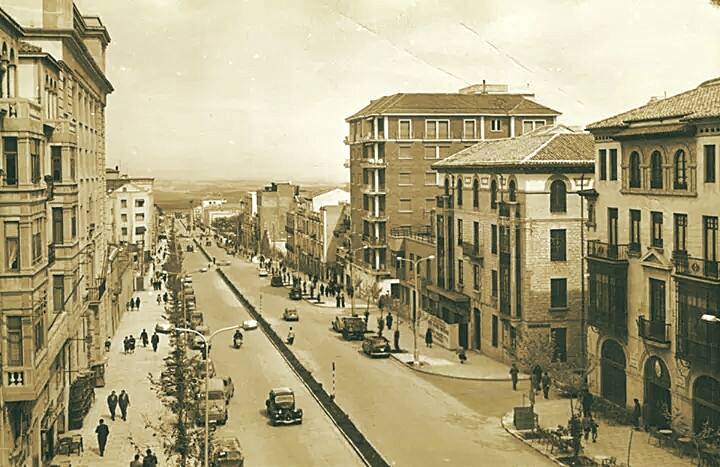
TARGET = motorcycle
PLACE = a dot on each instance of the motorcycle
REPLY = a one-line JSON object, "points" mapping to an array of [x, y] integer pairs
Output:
{"points": [[237, 343]]}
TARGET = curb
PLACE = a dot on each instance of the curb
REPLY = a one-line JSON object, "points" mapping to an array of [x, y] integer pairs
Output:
{"points": [[527, 443], [456, 377]]}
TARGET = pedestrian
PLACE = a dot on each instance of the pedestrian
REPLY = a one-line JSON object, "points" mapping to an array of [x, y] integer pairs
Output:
{"points": [[155, 340], [462, 355], [636, 413], [389, 320], [123, 402], [322, 289], [537, 372], [112, 402], [131, 343], [594, 429], [367, 317], [514, 376], [165, 297], [545, 382], [102, 432], [428, 338], [127, 305], [586, 424], [159, 298], [342, 302], [137, 303], [337, 301], [126, 345], [396, 339], [136, 462], [587, 402], [149, 460], [144, 337], [381, 325], [108, 343], [132, 304]]}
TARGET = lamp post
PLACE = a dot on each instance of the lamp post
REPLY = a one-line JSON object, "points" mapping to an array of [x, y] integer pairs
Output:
{"points": [[416, 359], [352, 277], [206, 343]]}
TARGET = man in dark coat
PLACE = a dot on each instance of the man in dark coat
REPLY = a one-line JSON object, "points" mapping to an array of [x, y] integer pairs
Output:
{"points": [[155, 340], [112, 402], [123, 402], [102, 431], [545, 381], [396, 339], [428, 338], [144, 338], [137, 303], [342, 301], [587, 402], [149, 460], [514, 376], [389, 320], [381, 325]]}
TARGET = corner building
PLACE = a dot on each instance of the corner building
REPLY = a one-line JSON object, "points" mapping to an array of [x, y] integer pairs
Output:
{"points": [[654, 282]]}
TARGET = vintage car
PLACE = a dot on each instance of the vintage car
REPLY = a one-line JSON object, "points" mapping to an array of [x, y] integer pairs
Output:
{"points": [[376, 346], [351, 327], [227, 453], [198, 342], [249, 324], [295, 293], [204, 269], [276, 281], [216, 404], [280, 406], [164, 328], [291, 314], [262, 272], [197, 318], [223, 262]]}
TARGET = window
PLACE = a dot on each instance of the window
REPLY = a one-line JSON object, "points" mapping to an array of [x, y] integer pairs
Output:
{"points": [[58, 226], [405, 152], [11, 161], [476, 193], [493, 194], [558, 201], [493, 239], [404, 129], [123, 217], [459, 232], [430, 178], [657, 300], [12, 246], [602, 157], [459, 191], [476, 277], [559, 341], [469, 128], [405, 205], [124, 231], [494, 330], [680, 231], [634, 170], [512, 191], [461, 274], [680, 171], [37, 247], [437, 129], [656, 170], [140, 217], [557, 245], [476, 236], [139, 230], [404, 179], [56, 163], [710, 236], [35, 160], [123, 203], [612, 226], [613, 164], [635, 216], [73, 223], [494, 282], [58, 293], [558, 293], [431, 152], [657, 233], [709, 150], [495, 125], [139, 203], [530, 125], [15, 341], [39, 334]]}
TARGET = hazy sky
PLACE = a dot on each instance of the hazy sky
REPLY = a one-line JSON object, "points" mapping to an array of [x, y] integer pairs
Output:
{"points": [[261, 88]]}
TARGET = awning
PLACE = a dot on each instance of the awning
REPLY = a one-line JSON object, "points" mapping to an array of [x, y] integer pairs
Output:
{"points": [[449, 294]]}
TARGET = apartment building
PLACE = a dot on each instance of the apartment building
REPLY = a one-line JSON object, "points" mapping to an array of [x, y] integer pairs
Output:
{"points": [[509, 250], [273, 203], [132, 216], [52, 201], [395, 140], [249, 228], [654, 282]]}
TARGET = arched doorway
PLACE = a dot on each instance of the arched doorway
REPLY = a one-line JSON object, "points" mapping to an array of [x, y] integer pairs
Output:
{"points": [[706, 403], [612, 373], [658, 401]]}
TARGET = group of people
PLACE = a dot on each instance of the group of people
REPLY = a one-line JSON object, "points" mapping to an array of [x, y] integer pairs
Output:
{"points": [[129, 342], [133, 304]]}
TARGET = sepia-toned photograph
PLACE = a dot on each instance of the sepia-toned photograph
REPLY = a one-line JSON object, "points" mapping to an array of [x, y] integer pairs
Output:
{"points": [[347, 233]]}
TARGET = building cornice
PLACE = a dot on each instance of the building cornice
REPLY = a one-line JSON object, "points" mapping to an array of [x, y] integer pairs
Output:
{"points": [[7, 22]]}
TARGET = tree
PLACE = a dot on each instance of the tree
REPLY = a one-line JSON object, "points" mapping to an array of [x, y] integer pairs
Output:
{"points": [[370, 293]]}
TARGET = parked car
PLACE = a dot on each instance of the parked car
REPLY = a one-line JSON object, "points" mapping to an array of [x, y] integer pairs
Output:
{"points": [[216, 404], [280, 406], [295, 293], [197, 318], [201, 368], [376, 346], [204, 269], [262, 272], [164, 328], [291, 314], [249, 324], [276, 281], [223, 262], [227, 453], [351, 327]]}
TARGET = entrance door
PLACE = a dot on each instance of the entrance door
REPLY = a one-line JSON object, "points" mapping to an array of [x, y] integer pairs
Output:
{"points": [[612, 373], [658, 401], [463, 335], [476, 329]]}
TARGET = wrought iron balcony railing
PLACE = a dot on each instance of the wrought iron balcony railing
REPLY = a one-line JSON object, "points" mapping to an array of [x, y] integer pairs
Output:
{"points": [[654, 330]]}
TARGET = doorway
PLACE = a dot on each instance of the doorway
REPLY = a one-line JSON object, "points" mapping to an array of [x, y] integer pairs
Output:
{"points": [[477, 326], [658, 400]]}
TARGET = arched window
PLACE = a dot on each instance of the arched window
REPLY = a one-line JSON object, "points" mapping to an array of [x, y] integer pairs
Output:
{"points": [[680, 171], [447, 185], [558, 196], [656, 170], [634, 170], [476, 193], [493, 194], [459, 191], [512, 191]]}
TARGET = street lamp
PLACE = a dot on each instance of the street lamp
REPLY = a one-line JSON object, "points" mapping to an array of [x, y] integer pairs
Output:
{"points": [[352, 278], [416, 359], [206, 343]]}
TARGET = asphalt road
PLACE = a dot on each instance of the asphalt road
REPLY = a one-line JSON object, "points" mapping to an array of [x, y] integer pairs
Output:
{"points": [[412, 420], [255, 368]]}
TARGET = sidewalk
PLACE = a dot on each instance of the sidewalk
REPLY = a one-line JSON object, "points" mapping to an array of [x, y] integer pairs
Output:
{"points": [[612, 439], [129, 372]]}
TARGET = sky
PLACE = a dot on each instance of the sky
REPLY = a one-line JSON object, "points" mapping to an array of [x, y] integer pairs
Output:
{"points": [[260, 89]]}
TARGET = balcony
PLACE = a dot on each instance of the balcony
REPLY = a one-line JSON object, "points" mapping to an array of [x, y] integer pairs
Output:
{"points": [[372, 217], [373, 163], [472, 251], [370, 136], [695, 267], [607, 251], [655, 331], [375, 242], [703, 352], [374, 189], [18, 384], [509, 209]]}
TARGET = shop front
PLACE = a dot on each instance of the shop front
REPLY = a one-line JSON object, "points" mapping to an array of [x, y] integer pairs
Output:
{"points": [[449, 317]]}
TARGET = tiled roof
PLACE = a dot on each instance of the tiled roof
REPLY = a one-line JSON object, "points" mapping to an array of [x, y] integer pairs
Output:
{"points": [[547, 146], [698, 103], [442, 104]]}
